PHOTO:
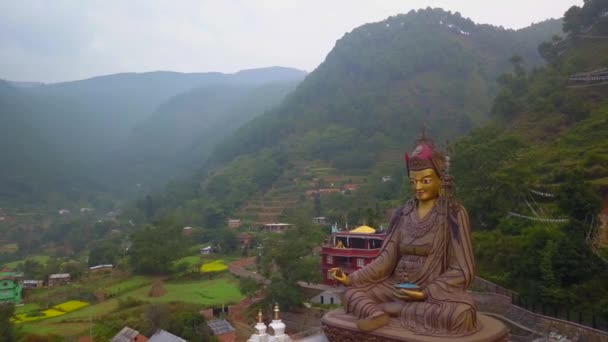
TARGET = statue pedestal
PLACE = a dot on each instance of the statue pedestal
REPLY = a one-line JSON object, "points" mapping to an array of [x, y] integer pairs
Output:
{"points": [[339, 326]]}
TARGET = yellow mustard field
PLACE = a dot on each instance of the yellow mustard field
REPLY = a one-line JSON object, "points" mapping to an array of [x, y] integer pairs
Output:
{"points": [[214, 266]]}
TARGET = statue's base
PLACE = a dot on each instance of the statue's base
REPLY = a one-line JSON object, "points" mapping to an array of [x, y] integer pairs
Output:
{"points": [[339, 326]]}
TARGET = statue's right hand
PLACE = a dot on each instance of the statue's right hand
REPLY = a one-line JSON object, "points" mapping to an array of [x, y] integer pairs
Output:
{"points": [[340, 276]]}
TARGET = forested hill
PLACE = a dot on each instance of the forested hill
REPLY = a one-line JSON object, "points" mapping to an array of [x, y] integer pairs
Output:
{"points": [[182, 132], [66, 140], [382, 81], [24, 151], [542, 170], [105, 109], [370, 96]]}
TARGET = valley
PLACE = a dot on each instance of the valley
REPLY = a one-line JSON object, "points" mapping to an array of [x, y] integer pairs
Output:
{"points": [[147, 199]]}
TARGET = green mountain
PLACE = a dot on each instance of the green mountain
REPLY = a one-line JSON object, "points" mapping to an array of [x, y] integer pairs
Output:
{"points": [[542, 170], [385, 80], [87, 125], [363, 106], [182, 132], [100, 112], [31, 165]]}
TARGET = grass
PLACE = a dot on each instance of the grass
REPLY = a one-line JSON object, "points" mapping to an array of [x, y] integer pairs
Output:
{"points": [[206, 293], [27, 308], [43, 259], [193, 260], [128, 285]]}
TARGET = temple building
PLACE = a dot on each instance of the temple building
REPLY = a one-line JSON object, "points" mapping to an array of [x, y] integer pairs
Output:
{"points": [[350, 250]]}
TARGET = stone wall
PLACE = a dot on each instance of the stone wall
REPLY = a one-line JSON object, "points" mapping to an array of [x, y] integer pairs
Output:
{"points": [[501, 305]]}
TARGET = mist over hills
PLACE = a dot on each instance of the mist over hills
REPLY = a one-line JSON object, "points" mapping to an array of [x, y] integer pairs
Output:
{"points": [[363, 106], [181, 133], [375, 89], [87, 123]]}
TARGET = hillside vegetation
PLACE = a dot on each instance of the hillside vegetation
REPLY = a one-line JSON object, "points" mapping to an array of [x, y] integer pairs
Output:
{"points": [[545, 157], [80, 141], [371, 95]]}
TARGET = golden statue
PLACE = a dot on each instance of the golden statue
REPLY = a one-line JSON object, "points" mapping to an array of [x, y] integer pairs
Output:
{"points": [[426, 262]]}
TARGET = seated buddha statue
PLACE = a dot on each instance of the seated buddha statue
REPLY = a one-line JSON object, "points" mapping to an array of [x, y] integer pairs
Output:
{"points": [[426, 261]]}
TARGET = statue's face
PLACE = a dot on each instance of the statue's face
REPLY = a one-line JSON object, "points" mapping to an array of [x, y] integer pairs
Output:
{"points": [[425, 184]]}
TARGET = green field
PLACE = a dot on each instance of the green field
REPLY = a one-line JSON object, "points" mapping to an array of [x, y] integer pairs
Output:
{"points": [[43, 259], [206, 293], [193, 260], [128, 284]]}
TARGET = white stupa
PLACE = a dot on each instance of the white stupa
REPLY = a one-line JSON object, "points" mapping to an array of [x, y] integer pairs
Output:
{"points": [[260, 328], [278, 327]]}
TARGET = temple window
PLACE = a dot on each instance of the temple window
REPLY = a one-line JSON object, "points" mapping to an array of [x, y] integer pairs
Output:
{"points": [[360, 262], [330, 260]]}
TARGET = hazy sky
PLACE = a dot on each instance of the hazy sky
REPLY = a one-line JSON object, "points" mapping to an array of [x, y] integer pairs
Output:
{"points": [[59, 40]]}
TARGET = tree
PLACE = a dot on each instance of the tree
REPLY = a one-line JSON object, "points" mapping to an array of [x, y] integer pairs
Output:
{"points": [[577, 198], [190, 326], [156, 316], [248, 286], [154, 248], [225, 240], [105, 252], [7, 331], [287, 259]]}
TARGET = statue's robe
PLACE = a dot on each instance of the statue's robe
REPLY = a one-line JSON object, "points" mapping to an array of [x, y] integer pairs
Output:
{"points": [[433, 252]]}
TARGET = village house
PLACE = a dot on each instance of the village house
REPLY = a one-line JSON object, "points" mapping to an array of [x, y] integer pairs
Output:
{"points": [[64, 212], [351, 187], [33, 284], [129, 335], [223, 330], [58, 279], [165, 336], [206, 250], [325, 191], [276, 227], [234, 223], [10, 288], [187, 231], [101, 268], [244, 239], [319, 220]]}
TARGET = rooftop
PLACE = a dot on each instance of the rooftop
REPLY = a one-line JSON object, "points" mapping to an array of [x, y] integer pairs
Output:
{"points": [[59, 276], [220, 326], [164, 336], [125, 335], [363, 230]]}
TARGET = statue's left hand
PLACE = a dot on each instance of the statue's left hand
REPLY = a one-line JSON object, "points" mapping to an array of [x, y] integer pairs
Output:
{"points": [[410, 295]]}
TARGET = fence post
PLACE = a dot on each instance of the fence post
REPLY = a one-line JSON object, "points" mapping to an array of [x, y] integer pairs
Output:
{"points": [[580, 317], [593, 320], [567, 314]]}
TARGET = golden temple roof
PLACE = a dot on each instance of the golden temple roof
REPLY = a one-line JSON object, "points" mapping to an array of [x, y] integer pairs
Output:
{"points": [[363, 230]]}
